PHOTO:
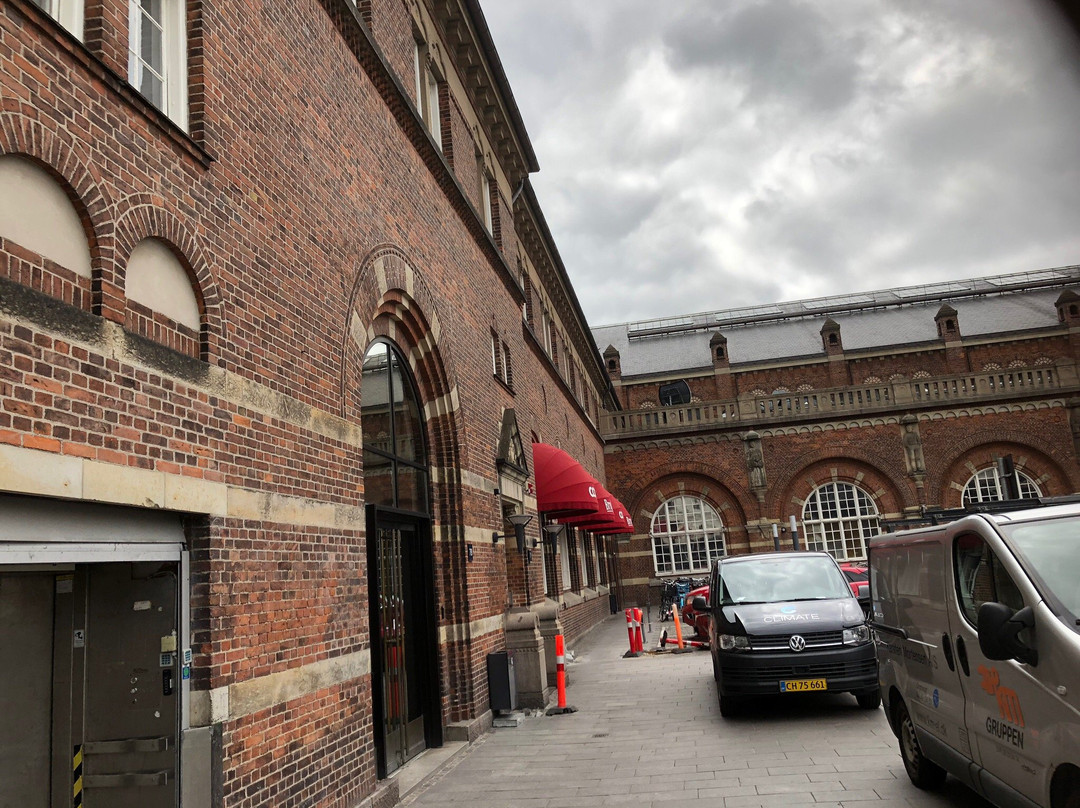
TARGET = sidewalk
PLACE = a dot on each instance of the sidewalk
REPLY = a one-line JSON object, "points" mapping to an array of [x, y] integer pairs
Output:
{"points": [[648, 732]]}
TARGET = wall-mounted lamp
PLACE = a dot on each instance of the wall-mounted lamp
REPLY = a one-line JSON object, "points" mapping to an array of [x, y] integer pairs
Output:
{"points": [[518, 520], [551, 533]]}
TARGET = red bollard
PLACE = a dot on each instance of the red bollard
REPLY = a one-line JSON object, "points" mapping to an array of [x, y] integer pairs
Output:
{"points": [[630, 631], [640, 637], [560, 678]]}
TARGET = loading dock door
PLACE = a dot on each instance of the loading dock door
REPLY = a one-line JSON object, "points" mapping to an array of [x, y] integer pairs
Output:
{"points": [[89, 685], [26, 644]]}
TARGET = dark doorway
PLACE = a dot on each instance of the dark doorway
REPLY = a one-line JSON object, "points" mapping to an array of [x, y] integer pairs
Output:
{"points": [[400, 553], [404, 662]]}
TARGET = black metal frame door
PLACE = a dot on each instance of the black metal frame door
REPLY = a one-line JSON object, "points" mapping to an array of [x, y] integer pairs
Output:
{"points": [[404, 651]]}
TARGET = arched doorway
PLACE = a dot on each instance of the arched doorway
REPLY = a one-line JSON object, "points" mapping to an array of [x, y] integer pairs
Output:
{"points": [[401, 580]]}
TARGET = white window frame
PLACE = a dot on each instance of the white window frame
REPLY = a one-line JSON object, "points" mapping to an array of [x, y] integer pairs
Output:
{"points": [[839, 524], [173, 58], [69, 13], [583, 559], [674, 550], [507, 369], [427, 93], [986, 486], [564, 560], [485, 201]]}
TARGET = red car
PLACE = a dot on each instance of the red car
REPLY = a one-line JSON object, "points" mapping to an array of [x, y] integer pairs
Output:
{"points": [[694, 623], [858, 578]]}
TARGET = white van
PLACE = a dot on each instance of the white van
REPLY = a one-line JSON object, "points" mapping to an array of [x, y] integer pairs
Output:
{"points": [[977, 630]]}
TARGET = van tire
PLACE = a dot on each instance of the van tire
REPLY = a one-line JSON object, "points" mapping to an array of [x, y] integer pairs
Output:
{"points": [[924, 773], [869, 701], [728, 708], [715, 668]]}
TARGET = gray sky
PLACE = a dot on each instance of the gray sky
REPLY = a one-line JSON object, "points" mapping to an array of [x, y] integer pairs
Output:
{"points": [[706, 155]]}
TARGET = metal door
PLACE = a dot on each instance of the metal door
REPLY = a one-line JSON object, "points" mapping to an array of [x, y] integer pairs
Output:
{"points": [[88, 690], [26, 644], [132, 691], [1006, 704], [402, 625]]}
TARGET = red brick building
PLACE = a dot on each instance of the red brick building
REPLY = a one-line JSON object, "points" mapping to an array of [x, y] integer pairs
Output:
{"points": [[280, 320], [841, 413]]}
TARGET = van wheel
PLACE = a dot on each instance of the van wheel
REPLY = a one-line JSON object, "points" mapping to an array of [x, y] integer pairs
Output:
{"points": [[715, 668], [728, 707], [869, 701], [923, 773]]}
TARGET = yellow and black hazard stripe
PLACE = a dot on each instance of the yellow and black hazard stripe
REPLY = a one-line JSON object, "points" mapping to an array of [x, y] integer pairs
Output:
{"points": [[76, 771]]}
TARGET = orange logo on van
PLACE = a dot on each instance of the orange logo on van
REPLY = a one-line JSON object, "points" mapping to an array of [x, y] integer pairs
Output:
{"points": [[1008, 701]]}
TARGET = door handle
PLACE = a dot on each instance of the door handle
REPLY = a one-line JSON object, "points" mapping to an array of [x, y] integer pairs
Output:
{"points": [[961, 654], [946, 646]]}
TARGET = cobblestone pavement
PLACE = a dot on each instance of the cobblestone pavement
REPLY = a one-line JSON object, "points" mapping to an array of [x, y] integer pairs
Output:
{"points": [[648, 732]]}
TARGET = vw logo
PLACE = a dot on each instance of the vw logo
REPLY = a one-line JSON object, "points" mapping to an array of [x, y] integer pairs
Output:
{"points": [[796, 643]]}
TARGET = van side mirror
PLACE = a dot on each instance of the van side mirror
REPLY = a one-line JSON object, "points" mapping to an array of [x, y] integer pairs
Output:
{"points": [[999, 628], [699, 604]]}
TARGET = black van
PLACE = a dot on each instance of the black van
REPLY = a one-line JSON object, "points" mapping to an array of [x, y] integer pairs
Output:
{"points": [[783, 623]]}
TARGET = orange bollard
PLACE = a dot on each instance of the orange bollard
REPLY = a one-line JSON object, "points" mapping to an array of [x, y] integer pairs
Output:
{"points": [[560, 678], [678, 627], [630, 631], [638, 635]]}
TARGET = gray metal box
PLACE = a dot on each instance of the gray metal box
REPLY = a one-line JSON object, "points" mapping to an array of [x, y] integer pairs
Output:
{"points": [[502, 686]]}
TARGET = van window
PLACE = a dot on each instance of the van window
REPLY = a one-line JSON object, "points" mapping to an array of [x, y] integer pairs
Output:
{"points": [[784, 578], [1050, 551], [980, 578]]}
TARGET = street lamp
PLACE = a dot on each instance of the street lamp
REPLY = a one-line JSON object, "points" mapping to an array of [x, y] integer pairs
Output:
{"points": [[552, 532], [519, 520]]}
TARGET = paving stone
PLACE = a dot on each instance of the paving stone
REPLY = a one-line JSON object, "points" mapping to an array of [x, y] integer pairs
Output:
{"points": [[648, 734]]}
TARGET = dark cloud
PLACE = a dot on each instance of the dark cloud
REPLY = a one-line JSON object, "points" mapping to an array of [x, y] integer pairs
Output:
{"points": [[708, 155]]}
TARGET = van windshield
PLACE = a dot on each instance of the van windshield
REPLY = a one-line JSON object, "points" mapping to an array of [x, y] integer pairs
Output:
{"points": [[1052, 551], [770, 580]]}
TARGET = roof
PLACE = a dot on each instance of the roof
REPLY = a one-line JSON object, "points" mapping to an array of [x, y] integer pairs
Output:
{"points": [[868, 321]]}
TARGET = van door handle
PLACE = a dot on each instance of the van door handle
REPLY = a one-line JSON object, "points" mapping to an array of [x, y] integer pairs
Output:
{"points": [[961, 654], [946, 646]]}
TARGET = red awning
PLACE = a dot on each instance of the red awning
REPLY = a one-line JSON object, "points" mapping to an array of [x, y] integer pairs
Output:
{"points": [[563, 487], [605, 519]]}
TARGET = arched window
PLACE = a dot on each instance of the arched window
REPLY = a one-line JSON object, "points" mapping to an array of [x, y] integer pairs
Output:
{"points": [[674, 394], [839, 518], [988, 486], [687, 536], [395, 456]]}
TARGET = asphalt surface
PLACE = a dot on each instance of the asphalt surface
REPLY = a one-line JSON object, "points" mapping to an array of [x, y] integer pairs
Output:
{"points": [[648, 732]]}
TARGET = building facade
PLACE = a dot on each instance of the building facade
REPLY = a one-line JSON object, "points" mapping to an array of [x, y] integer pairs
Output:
{"points": [[837, 416], [280, 323]]}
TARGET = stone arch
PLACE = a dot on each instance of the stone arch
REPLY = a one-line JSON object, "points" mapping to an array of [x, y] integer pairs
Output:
{"points": [[976, 453], [22, 136], [852, 466], [144, 218], [694, 480], [389, 298]]}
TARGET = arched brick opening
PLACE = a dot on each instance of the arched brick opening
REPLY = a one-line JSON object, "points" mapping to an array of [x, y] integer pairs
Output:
{"points": [[976, 456], [143, 219], [24, 137], [391, 299]]}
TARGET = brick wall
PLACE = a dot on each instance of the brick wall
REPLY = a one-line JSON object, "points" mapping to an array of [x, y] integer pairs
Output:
{"points": [[868, 452], [313, 215]]}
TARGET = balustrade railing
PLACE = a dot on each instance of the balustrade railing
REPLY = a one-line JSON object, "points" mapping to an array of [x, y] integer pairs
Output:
{"points": [[845, 400]]}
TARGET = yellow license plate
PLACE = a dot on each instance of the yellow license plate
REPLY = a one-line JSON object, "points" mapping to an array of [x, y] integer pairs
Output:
{"points": [[802, 685]]}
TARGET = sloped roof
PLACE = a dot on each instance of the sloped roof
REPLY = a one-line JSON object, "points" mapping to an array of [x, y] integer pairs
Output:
{"points": [[869, 321]]}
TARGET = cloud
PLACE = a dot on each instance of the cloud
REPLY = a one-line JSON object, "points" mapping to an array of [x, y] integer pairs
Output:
{"points": [[703, 156]]}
